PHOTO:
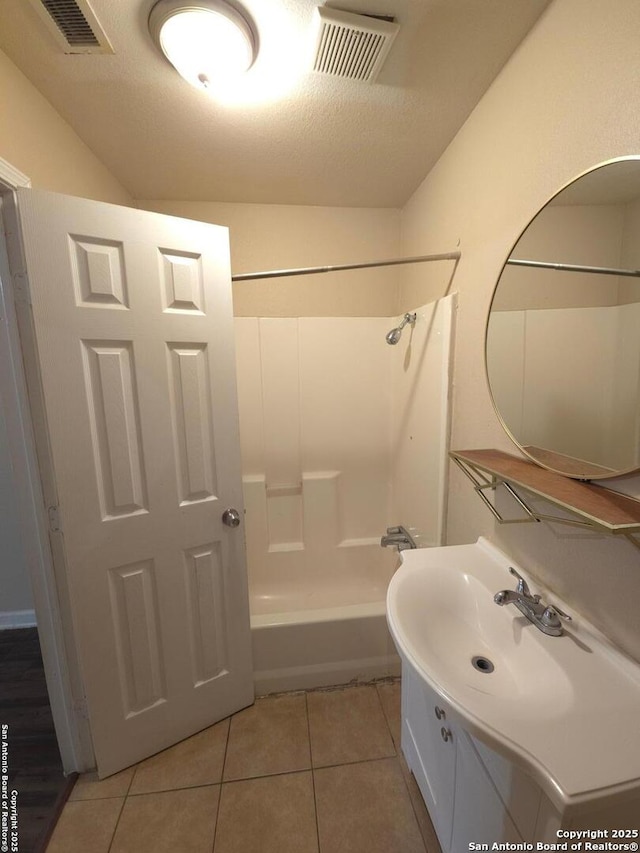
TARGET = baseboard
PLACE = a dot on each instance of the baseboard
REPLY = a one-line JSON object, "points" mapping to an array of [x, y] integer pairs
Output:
{"points": [[17, 619]]}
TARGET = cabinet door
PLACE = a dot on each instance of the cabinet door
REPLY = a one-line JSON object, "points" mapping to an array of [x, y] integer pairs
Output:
{"points": [[479, 814], [431, 758], [517, 790]]}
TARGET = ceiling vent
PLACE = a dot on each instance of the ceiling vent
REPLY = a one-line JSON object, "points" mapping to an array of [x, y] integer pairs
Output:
{"points": [[74, 25], [353, 46]]}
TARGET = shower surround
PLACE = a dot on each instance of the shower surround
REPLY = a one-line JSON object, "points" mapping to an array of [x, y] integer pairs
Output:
{"points": [[342, 436]]}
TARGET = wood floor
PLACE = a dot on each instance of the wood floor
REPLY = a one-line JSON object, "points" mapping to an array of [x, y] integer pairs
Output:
{"points": [[35, 768]]}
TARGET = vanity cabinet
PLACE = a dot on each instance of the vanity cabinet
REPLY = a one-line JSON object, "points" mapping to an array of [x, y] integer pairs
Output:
{"points": [[472, 793]]}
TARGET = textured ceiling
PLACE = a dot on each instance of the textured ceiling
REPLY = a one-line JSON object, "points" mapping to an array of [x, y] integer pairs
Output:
{"points": [[305, 138]]}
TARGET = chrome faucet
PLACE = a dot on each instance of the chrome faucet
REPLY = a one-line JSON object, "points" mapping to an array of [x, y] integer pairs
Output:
{"points": [[546, 617], [397, 537]]}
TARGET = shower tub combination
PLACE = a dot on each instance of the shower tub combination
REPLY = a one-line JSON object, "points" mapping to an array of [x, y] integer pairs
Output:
{"points": [[342, 436]]}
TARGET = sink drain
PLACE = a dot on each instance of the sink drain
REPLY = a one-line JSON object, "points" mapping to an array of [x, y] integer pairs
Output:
{"points": [[482, 664]]}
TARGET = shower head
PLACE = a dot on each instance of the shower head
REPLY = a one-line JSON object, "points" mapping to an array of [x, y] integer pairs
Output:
{"points": [[393, 336]]}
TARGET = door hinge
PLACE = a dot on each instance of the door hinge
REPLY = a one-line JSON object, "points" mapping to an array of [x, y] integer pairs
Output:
{"points": [[54, 519]]}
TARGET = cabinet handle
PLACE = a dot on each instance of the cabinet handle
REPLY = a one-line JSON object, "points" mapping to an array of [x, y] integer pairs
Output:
{"points": [[446, 734], [440, 714]]}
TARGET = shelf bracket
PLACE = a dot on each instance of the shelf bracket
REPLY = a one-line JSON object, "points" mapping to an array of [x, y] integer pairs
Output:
{"points": [[481, 483], [599, 510]]}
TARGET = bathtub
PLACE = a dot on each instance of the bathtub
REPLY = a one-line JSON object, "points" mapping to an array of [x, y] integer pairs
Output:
{"points": [[330, 630], [341, 437]]}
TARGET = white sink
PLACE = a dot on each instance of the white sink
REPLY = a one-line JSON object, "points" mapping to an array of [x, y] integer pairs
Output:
{"points": [[567, 708]]}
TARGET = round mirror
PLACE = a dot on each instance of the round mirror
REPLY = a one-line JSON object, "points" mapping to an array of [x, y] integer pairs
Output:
{"points": [[563, 335]]}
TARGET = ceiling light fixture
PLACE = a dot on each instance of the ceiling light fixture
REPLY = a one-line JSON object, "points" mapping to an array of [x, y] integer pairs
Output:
{"points": [[207, 42]]}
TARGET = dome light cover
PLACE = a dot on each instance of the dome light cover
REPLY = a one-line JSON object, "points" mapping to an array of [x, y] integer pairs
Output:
{"points": [[207, 42]]}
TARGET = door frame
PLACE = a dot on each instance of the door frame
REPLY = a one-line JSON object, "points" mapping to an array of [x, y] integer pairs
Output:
{"points": [[36, 493]]}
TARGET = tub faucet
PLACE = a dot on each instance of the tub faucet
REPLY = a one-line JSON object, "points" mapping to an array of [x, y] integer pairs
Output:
{"points": [[546, 617], [397, 537]]}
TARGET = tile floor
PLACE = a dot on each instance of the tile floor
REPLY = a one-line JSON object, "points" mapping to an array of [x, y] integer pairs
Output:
{"points": [[315, 772]]}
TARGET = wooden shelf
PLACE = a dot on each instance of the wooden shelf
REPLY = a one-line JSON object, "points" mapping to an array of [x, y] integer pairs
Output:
{"points": [[595, 506]]}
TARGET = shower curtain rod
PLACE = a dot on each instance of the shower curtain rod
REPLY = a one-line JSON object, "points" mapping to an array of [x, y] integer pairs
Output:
{"points": [[251, 276], [574, 268]]}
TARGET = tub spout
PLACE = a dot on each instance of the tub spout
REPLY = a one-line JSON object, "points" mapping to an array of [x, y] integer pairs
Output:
{"points": [[397, 537]]}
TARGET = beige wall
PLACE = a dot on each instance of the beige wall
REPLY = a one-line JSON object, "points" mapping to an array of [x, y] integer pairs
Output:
{"points": [[38, 142], [566, 101], [272, 236]]}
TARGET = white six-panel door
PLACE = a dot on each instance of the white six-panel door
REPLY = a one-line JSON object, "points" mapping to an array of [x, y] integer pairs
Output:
{"points": [[134, 331]]}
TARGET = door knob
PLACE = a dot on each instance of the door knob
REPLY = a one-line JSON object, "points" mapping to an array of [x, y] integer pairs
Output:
{"points": [[231, 517]]}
